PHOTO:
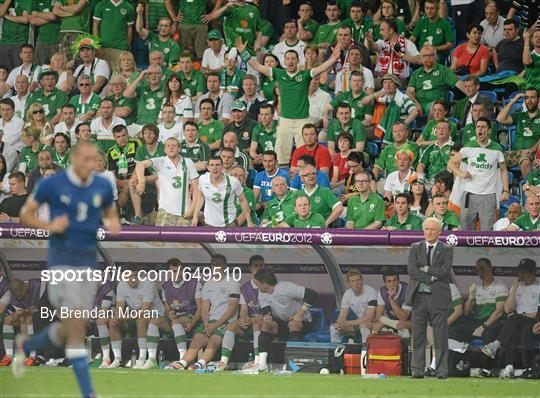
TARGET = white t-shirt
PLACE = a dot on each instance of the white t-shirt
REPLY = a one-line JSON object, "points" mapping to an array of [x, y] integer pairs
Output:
{"points": [[176, 131], [282, 47], [527, 297], [369, 81], [212, 61], [145, 292], [285, 300], [483, 165], [317, 104], [61, 127], [394, 185], [183, 108], [98, 68], [21, 70], [173, 182], [103, 133], [20, 105], [219, 208], [109, 175], [359, 304], [219, 293], [11, 138]]}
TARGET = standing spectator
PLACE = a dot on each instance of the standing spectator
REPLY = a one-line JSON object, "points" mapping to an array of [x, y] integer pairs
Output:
{"points": [[319, 101], [161, 41], [493, 26], [210, 129], [103, 125], [11, 127], [153, 13], [74, 21], [15, 30], [232, 75], [365, 210], [436, 156], [95, 67], [326, 34], [241, 125], [68, 123], [113, 22], [262, 185], [530, 219], [169, 127], [10, 207], [289, 42], [252, 100], [48, 96], [323, 159], [192, 147], [27, 67], [221, 100], [471, 58], [263, 137], [513, 212], [19, 99], [531, 59], [48, 30], [191, 26], [212, 60], [464, 13], [307, 27], [86, 102]]}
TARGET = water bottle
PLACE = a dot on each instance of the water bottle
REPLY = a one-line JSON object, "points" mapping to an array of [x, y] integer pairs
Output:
{"points": [[250, 358], [161, 359], [133, 358], [374, 376]]}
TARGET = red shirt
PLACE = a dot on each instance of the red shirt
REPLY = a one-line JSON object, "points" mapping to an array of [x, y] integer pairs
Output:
{"points": [[341, 163], [463, 57], [320, 153]]}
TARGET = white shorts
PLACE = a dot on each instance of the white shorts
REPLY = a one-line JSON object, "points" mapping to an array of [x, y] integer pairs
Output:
{"points": [[72, 294]]}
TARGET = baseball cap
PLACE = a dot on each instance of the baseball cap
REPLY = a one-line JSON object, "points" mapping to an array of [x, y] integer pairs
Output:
{"points": [[394, 78], [527, 265], [45, 70], [214, 34], [238, 106]]}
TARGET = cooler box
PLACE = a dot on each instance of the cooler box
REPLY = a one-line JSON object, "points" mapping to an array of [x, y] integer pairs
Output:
{"points": [[312, 357]]}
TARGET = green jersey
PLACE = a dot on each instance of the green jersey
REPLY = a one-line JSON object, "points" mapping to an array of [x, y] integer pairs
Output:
{"points": [[243, 132], [51, 103], [250, 197], [468, 134], [30, 158], [533, 178], [311, 26], [194, 84], [358, 111], [192, 11], [79, 23], [362, 214], [527, 130], [412, 223], [243, 21], [434, 33], [149, 103], [345, 8], [428, 134], [313, 220], [293, 93], [322, 200], [211, 132], [115, 19], [61, 161], [92, 104], [14, 32], [266, 28], [266, 140], [449, 221], [327, 33], [532, 72], [436, 158], [156, 11], [433, 85], [359, 32], [143, 153], [355, 128], [199, 152], [486, 298], [169, 48], [267, 88], [232, 84], [387, 158], [277, 209], [48, 33], [526, 223], [124, 102]]}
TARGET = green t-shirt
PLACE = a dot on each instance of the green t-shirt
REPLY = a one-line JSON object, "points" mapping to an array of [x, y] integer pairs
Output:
{"points": [[157, 10], [195, 84], [322, 200], [250, 197], [311, 26], [433, 85], [192, 11], [170, 49], [436, 158], [114, 20], [266, 140], [30, 158], [211, 132], [233, 84], [428, 134], [387, 158], [365, 213], [436, 33], [14, 32], [358, 111], [377, 29], [450, 220], [527, 130], [91, 105], [359, 33], [124, 102], [276, 210], [266, 28], [149, 103], [293, 92], [79, 23], [355, 128], [243, 21], [532, 72], [524, 223], [59, 160], [327, 33], [48, 33], [143, 153], [533, 178], [267, 87], [314, 220], [200, 152], [412, 223], [51, 104]]}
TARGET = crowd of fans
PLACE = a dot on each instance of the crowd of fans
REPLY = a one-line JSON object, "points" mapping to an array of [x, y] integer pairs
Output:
{"points": [[330, 114]]}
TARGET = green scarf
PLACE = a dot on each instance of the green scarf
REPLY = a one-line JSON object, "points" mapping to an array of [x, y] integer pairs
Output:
{"points": [[390, 116]]}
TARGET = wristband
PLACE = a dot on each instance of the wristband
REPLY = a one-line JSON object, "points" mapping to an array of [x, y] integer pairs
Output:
{"points": [[245, 55]]}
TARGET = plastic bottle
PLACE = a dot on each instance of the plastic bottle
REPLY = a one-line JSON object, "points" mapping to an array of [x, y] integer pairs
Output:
{"points": [[133, 358], [161, 359], [374, 376]]}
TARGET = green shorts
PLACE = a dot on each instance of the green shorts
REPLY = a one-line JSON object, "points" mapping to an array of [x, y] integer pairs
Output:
{"points": [[190, 317], [220, 331]]}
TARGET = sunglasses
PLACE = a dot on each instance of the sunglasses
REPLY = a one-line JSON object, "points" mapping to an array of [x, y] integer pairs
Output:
{"points": [[84, 84], [38, 111]]}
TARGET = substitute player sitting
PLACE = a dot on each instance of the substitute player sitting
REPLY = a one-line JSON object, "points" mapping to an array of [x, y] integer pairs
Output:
{"points": [[104, 301]]}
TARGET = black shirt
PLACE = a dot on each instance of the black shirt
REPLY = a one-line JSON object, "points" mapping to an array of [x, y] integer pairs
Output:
{"points": [[510, 55], [12, 206]]}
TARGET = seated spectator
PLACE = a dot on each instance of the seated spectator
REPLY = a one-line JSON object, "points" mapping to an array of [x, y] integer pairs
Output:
{"points": [[230, 140], [25, 55], [365, 210], [345, 123], [280, 206], [83, 132], [263, 137], [51, 98], [174, 95], [449, 219], [86, 102], [493, 26], [289, 41], [240, 174], [345, 142], [212, 59], [462, 110], [227, 157], [125, 108], [231, 76], [530, 219], [431, 81], [11, 206], [531, 59], [442, 184], [318, 103], [403, 220], [95, 67], [323, 159], [35, 119], [262, 185], [322, 200], [322, 178], [221, 100], [45, 163], [19, 99], [354, 64], [102, 126], [28, 158], [303, 217], [398, 107], [356, 163], [436, 156], [419, 196], [241, 125], [361, 299], [471, 58], [5, 90], [429, 136], [398, 181], [169, 126], [532, 186], [250, 97], [527, 130], [512, 213], [11, 127], [210, 129], [192, 147], [61, 150], [68, 122], [127, 68]]}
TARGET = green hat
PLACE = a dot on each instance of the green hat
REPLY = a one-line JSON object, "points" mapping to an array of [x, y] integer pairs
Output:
{"points": [[238, 106], [45, 71], [214, 35], [527, 265]]}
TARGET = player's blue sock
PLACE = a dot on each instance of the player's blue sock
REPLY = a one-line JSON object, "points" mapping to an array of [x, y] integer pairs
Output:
{"points": [[46, 338], [79, 360]]}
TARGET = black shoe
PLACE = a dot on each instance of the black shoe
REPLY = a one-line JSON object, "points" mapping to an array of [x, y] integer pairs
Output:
{"points": [[430, 372], [527, 374], [417, 377], [442, 377]]}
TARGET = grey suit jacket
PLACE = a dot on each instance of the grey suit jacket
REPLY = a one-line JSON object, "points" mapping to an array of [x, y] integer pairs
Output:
{"points": [[441, 268]]}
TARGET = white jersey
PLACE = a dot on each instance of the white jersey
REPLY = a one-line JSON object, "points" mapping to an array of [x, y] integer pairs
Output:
{"points": [[176, 131], [105, 133], [145, 292], [285, 300], [219, 293], [359, 304], [282, 47], [183, 108], [11, 137], [486, 298], [527, 297], [173, 183], [483, 165], [220, 202], [20, 105]]}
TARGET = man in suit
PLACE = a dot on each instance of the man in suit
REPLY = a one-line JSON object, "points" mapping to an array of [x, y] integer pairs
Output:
{"points": [[429, 267], [463, 108]]}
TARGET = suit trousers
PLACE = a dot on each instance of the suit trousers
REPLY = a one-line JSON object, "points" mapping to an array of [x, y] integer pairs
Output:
{"points": [[424, 313]]}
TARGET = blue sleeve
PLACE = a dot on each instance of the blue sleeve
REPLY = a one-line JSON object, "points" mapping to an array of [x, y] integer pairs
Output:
{"points": [[42, 191], [108, 198], [323, 180], [258, 179], [296, 183]]}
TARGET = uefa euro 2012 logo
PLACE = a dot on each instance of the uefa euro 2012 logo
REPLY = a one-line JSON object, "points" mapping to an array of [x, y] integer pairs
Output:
{"points": [[221, 236]]}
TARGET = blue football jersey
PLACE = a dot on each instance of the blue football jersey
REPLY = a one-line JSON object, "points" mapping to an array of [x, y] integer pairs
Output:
{"points": [[83, 204], [264, 183]]}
